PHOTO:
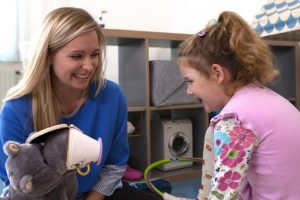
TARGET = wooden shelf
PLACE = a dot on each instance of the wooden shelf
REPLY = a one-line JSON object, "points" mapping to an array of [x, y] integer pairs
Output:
{"points": [[137, 109], [134, 51], [117, 33], [177, 174], [188, 106], [135, 135]]}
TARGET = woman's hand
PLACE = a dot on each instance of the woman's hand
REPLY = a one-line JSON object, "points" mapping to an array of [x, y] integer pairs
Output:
{"points": [[92, 195]]}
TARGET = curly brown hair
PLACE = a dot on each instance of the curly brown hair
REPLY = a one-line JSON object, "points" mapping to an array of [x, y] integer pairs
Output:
{"points": [[231, 43]]}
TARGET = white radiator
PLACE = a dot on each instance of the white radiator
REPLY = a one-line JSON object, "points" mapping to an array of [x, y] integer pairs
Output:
{"points": [[9, 76]]}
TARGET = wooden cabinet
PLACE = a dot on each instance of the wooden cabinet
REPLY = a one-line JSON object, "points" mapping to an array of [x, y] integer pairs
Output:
{"points": [[134, 54], [286, 59]]}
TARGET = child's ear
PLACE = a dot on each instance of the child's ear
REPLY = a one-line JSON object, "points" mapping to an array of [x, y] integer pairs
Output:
{"points": [[218, 73]]}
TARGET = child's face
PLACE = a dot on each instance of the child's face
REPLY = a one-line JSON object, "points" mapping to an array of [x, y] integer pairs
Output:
{"points": [[207, 89]]}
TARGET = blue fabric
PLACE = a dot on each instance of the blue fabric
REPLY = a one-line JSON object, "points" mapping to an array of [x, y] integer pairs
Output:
{"points": [[102, 116], [277, 17]]}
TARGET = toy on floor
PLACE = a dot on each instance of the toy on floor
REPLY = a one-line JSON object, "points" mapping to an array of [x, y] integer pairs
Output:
{"points": [[44, 168], [163, 185], [153, 188], [131, 174]]}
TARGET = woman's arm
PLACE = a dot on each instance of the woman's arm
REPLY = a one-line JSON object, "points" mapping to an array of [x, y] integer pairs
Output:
{"points": [[109, 180], [11, 128], [92, 195]]}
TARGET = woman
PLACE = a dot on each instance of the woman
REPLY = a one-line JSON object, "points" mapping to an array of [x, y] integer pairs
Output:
{"points": [[64, 83]]}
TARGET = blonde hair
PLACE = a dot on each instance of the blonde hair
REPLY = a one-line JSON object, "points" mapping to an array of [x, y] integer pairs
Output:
{"points": [[231, 43], [60, 26]]}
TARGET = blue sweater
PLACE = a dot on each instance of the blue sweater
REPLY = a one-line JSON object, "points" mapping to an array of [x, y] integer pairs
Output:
{"points": [[102, 116]]}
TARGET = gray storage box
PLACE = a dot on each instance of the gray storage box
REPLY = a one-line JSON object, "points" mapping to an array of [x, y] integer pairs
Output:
{"points": [[167, 85]]}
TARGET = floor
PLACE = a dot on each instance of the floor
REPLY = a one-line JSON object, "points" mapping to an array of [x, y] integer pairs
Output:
{"points": [[186, 188]]}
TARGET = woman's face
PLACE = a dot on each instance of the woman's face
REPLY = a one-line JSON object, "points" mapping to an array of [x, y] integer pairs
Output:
{"points": [[75, 63], [208, 90]]}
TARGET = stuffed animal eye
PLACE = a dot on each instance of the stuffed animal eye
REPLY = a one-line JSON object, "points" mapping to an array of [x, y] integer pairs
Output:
{"points": [[77, 164]]}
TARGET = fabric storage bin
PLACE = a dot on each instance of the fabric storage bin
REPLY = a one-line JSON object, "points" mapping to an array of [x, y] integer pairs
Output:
{"points": [[167, 85]]}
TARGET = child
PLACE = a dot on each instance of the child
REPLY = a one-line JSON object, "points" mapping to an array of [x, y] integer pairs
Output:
{"points": [[255, 136]]}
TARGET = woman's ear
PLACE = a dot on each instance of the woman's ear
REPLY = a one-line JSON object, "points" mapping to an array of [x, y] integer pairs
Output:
{"points": [[218, 73], [49, 59]]}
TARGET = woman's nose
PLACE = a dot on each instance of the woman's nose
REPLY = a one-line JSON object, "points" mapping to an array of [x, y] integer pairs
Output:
{"points": [[88, 64]]}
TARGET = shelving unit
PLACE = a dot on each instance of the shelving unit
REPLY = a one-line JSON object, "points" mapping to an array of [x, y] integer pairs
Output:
{"points": [[134, 52], [286, 58]]}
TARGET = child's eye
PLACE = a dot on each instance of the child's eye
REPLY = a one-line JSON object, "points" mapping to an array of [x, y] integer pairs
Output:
{"points": [[188, 81]]}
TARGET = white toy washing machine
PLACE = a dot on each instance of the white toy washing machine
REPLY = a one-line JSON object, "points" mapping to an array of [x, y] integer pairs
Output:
{"points": [[169, 139]]}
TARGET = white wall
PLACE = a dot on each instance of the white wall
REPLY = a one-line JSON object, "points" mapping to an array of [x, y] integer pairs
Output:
{"points": [[180, 16], [177, 16]]}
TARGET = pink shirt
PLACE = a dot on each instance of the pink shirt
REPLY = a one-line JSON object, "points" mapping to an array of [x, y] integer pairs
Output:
{"points": [[273, 167]]}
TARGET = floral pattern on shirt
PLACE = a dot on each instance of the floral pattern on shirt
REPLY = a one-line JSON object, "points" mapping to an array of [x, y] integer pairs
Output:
{"points": [[233, 145], [207, 165], [220, 138], [232, 154], [229, 179], [242, 136]]}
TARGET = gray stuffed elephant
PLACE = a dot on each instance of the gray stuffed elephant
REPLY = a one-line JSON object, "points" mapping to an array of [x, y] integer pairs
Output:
{"points": [[38, 171], [44, 168], [32, 178]]}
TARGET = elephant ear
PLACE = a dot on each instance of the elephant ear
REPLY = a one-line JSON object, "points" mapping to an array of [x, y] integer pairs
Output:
{"points": [[26, 184], [11, 148]]}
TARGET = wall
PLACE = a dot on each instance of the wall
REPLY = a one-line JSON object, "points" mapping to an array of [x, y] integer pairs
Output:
{"points": [[175, 16], [162, 15], [9, 76]]}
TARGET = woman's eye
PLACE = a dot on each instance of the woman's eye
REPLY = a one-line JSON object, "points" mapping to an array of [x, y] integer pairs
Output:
{"points": [[76, 56], [95, 55]]}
